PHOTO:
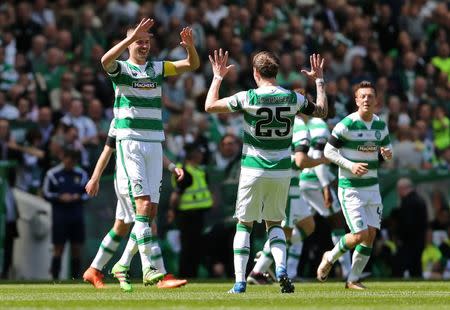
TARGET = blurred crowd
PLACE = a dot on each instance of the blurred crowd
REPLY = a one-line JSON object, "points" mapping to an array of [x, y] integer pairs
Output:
{"points": [[54, 92]]}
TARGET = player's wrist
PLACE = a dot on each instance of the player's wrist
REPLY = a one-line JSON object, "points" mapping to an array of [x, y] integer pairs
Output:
{"points": [[320, 80], [171, 167], [218, 77]]}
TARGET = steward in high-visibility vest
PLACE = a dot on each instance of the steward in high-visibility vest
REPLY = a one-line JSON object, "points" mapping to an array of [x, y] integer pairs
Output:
{"points": [[197, 195], [190, 201]]}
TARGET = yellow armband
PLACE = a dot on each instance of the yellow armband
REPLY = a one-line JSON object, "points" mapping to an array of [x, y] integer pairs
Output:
{"points": [[169, 69]]}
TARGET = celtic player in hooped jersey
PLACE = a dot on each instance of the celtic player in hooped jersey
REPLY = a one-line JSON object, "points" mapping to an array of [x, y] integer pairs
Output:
{"points": [[357, 145], [299, 221], [138, 123], [269, 113], [316, 186]]}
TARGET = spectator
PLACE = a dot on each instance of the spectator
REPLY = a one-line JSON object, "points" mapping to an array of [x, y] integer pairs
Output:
{"points": [[8, 75], [7, 110], [23, 123], [37, 55], [8, 153], [29, 173], [442, 60], [287, 74], [411, 221], [190, 200], [174, 98], [122, 13], [407, 154], [42, 15], [228, 150], [49, 75], [87, 132], [425, 143], [66, 136], [24, 28], [45, 125], [431, 259], [65, 43], [96, 114], [87, 34], [167, 10], [64, 189], [441, 129], [67, 84], [215, 13]]}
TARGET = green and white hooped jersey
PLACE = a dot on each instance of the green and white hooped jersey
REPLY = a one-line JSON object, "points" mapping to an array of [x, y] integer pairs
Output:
{"points": [[137, 105], [360, 142], [319, 176], [269, 114]]}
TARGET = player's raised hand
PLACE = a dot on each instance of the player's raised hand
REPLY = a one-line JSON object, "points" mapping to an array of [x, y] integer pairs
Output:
{"points": [[143, 27], [386, 153], [317, 63], [92, 188], [360, 168], [187, 37], [178, 173], [219, 63]]}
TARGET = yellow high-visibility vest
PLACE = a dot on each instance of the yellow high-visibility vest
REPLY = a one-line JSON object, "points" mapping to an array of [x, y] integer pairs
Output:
{"points": [[197, 196]]}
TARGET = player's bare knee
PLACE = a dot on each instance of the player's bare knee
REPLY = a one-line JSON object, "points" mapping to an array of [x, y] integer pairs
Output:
{"points": [[143, 205], [372, 233], [361, 236]]}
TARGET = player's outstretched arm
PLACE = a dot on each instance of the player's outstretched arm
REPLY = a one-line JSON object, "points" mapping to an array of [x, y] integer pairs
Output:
{"points": [[219, 67], [192, 61], [316, 73], [108, 60], [93, 184]]}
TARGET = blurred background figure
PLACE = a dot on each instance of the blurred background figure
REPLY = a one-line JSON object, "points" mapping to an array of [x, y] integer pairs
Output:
{"points": [[64, 189], [411, 221], [190, 201]]}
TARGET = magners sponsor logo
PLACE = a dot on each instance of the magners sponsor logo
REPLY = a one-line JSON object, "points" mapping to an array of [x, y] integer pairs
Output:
{"points": [[368, 148], [145, 85]]}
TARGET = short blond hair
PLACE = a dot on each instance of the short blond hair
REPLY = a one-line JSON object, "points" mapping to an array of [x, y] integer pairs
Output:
{"points": [[266, 64]]}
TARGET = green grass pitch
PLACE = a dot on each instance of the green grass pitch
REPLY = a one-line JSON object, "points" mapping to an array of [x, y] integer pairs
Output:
{"points": [[380, 295]]}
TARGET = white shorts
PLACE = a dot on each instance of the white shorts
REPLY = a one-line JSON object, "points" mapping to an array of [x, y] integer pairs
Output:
{"points": [[361, 208], [139, 168], [314, 199], [124, 210], [261, 198], [296, 209]]}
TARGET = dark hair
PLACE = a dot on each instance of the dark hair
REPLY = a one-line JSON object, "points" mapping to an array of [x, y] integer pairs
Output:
{"points": [[365, 84], [229, 135], [266, 64], [191, 148], [70, 152]]}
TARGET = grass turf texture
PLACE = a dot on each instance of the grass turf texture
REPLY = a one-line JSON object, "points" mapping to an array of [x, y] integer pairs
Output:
{"points": [[380, 295]]}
